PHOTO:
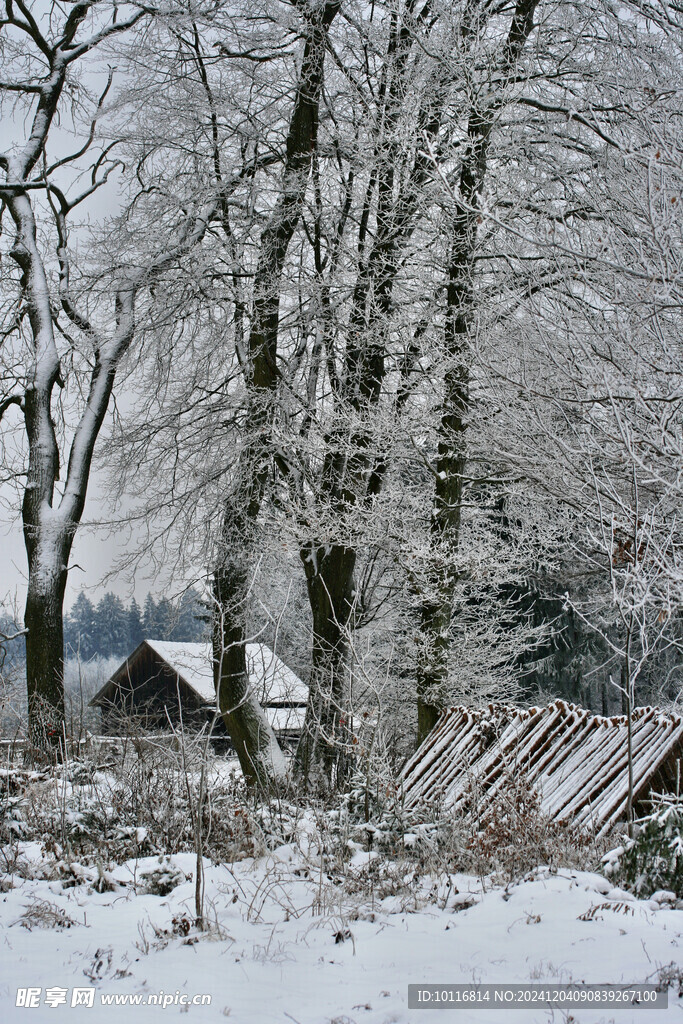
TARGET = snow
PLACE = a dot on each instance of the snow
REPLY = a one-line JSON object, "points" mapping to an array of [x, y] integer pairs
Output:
{"points": [[272, 680], [286, 719], [290, 943]]}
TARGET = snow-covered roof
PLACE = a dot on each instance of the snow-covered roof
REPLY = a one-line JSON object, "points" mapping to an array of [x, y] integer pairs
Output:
{"points": [[273, 682], [575, 761], [285, 720]]}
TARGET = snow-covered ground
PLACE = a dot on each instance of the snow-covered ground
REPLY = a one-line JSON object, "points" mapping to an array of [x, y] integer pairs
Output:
{"points": [[288, 943]]}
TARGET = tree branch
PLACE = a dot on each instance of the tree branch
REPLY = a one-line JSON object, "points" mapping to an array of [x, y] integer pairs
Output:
{"points": [[7, 402]]}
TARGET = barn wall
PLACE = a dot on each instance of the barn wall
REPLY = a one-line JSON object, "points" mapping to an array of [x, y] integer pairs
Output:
{"points": [[148, 691]]}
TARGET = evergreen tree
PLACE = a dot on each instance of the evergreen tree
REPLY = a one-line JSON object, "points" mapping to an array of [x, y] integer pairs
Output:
{"points": [[160, 619], [167, 620], [136, 632], [190, 625], [111, 622], [81, 629], [149, 618]]}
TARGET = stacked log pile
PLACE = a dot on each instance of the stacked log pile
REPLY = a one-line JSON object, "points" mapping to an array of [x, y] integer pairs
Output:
{"points": [[576, 762]]}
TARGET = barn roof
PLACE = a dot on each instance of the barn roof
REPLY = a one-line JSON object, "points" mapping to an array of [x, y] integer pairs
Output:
{"points": [[274, 683], [576, 762]]}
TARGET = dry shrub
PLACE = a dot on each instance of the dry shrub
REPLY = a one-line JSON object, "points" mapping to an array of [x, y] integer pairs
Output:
{"points": [[41, 913], [505, 836], [515, 835], [140, 804]]}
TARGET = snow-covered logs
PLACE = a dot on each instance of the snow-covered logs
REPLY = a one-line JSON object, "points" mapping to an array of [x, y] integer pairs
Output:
{"points": [[576, 761]]}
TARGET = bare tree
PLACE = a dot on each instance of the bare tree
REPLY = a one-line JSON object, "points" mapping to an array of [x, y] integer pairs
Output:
{"points": [[249, 728], [41, 49], [387, 233], [598, 387]]}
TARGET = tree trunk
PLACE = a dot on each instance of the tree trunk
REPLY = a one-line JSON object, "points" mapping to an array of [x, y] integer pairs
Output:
{"points": [[261, 759], [257, 747], [436, 615], [47, 544], [321, 754], [432, 673], [45, 651]]}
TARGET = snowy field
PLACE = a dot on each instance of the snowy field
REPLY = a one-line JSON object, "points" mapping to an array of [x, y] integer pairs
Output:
{"points": [[288, 942]]}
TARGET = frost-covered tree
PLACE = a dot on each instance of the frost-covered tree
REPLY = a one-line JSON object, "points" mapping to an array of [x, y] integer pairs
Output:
{"points": [[111, 625], [595, 417], [135, 630], [254, 80], [407, 193], [62, 343], [525, 228]]}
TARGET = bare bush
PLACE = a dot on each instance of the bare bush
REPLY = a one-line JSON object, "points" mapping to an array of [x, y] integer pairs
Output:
{"points": [[43, 914]]}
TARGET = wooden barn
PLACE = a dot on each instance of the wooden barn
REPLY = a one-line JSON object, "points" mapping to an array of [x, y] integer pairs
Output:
{"points": [[576, 762], [161, 679]]}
